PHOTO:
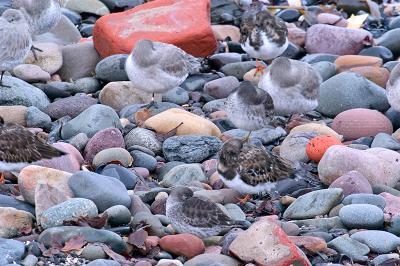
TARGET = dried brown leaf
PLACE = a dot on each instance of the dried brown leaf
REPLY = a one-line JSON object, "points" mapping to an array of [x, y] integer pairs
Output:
{"points": [[115, 256], [142, 116], [163, 136], [138, 238], [75, 243], [97, 222], [55, 247]]}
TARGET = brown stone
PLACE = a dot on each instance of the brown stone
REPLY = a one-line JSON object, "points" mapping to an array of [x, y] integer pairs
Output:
{"points": [[378, 75], [346, 62], [14, 222], [14, 114]]}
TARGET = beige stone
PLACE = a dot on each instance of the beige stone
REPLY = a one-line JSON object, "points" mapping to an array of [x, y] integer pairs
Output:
{"points": [[113, 154], [14, 114], [14, 222], [122, 93], [192, 124], [320, 129], [30, 176], [50, 60], [223, 31]]}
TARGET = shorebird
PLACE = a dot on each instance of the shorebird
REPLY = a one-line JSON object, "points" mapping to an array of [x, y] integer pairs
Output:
{"points": [[41, 15], [293, 86], [19, 147], [15, 41], [200, 217], [263, 35], [248, 107], [253, 170], [156, 67], [393, 88]]}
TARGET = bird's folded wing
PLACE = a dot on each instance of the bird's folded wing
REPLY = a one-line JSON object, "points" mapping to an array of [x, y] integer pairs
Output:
{"points": [[174, 61], [259, 166], [20, 145], [202, 213]]}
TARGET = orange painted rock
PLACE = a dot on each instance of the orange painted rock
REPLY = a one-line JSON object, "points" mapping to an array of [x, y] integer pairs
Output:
{"points": [[187, 245], [378, 75], [185, 24], [317, 146], [360, 122], [346, 62]]}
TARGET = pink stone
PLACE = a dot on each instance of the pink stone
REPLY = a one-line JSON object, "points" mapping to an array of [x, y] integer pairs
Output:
{"points": [[322, 38], [104, 139], [143, 172], [352, 182], [392, 208], [360, 122], [69, 163]]}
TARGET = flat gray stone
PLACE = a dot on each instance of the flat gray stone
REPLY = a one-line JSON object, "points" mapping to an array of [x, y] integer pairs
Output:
{"points": [[314, 203], [349, 90], [377, 241], [91, 235], [90, 121], [361, 216], [350, 247]]}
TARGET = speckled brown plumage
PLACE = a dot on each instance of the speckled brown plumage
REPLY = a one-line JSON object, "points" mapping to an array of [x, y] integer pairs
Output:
{"points": [[19, 145], [255, 22], [201, 217], [255, 165], [252, 170]]}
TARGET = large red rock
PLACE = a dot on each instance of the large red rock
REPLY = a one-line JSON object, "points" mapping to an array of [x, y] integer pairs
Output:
{"points": [[265, 243], [360, 122], [185, 24], [187, 245]]}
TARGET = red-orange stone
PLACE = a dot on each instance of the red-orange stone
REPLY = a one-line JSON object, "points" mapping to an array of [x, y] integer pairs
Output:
{"points": [[185, 24], [317, 146], [187, 245]]}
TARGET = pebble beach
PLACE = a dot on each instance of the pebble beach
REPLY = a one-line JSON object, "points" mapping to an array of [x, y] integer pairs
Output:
{"points": [[104, 203]]}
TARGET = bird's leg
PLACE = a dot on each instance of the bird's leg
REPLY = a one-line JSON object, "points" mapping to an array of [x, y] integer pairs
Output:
{"points": [[247, 138], [2, 179], [1, 80], [259, 68], [152, 103], [34, 49], [244, 199]]}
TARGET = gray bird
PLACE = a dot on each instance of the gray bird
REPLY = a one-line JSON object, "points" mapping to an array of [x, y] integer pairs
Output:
{"points": [[197, 216], [293, 86], [15, 41], [393, 88], [156, 67], [41, 16], [249, 108]]}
